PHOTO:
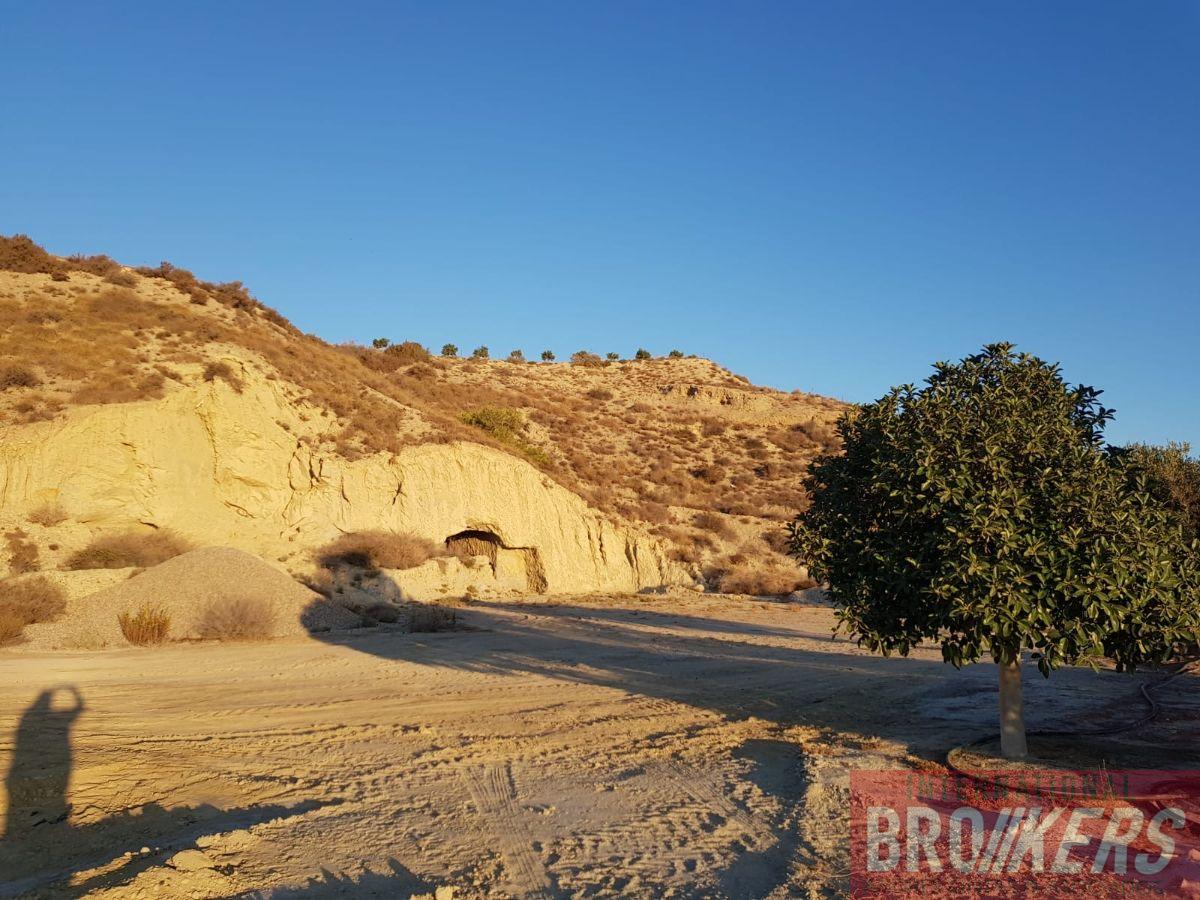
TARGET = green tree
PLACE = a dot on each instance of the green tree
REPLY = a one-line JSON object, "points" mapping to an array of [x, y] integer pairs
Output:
{"points": [[612, 357], [982, 511], [1174, 480], [642, 354], [380, 343], [548, 355], [449, 350], [676, 354], [480, 353], [517, 356]]}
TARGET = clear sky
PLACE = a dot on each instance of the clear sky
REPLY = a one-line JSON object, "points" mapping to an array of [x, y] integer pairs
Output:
{"points": [[820, 195]]}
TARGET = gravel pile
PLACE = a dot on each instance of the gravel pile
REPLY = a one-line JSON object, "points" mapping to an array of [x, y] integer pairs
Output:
{"points": [[185, 587]]}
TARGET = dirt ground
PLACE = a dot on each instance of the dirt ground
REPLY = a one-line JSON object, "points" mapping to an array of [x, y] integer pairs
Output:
{"points": [[665, 746]]}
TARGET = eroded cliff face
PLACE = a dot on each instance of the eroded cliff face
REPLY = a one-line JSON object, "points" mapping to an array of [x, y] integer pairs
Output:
{"points": [[231, 468]]}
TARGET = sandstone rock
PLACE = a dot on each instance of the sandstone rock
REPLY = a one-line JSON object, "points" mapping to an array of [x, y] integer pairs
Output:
{"points": [[234, 469]]}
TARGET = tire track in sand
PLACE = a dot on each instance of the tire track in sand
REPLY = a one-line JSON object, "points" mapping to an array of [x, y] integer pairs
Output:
{"points": [[495, 797]]}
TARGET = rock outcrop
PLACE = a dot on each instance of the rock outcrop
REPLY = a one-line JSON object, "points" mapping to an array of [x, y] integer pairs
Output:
{"points": [[237, 468]]}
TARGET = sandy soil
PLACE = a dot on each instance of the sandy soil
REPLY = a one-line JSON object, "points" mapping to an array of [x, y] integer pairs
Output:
{"points": [[673, 746]]}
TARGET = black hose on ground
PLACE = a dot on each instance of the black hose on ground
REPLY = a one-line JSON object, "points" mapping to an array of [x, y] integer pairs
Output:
{"points": [[1146, 690]]}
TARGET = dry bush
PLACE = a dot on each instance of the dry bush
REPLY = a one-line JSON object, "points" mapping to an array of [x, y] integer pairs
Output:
{"points": [[224, 371], [22, 553], [35, 599], [761, 582], [714, 524], [20, 254], [133, 548], [11, 627], [18, 376], [236, 619], [48, 515], [586, 359], [378, 550], [148, 625], [424, 619], [600, 394]]}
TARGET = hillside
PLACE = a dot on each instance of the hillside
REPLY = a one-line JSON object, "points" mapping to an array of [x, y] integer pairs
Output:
{"points": [[679, 451]]}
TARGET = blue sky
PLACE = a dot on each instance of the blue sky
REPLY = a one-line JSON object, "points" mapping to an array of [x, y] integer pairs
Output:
{"points": [[825, 196]]}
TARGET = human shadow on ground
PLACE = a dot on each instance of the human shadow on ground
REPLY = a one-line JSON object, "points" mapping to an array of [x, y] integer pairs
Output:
{"points": [[41, 846]]}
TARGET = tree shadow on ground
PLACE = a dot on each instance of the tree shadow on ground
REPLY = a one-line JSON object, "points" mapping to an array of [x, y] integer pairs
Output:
{"points": [[727, 668], [398, 881], [41, 847]]}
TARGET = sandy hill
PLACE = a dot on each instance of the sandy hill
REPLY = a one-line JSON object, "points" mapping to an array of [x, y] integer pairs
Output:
{"points": [[147, 398]]}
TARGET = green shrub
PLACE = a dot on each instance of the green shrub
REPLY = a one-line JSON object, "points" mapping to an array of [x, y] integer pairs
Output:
{"points": [[479, 353], [676, 354], [547, 356], [506, 426], [612, 357], [380, 343], [449, 350], [517, 356], [642, 353]]}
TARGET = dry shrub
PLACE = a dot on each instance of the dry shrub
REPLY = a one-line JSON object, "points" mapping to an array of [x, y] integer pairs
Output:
{"points": [[600, 394], [148, 625], [121, 551], [224, 371], [761, 582], [236, 619], [20, 254], [34, 599], [47, 515], [425, 619], [22, 553], [714, 524], [11, 627], [378, 550], [18, 376], [586, 359]]}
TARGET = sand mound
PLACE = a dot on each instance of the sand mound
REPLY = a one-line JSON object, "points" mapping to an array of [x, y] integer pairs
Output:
{"points": [[185, 587]]}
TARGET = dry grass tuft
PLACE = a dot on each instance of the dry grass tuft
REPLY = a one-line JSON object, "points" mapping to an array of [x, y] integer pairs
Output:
{"points": [[378, 550], [149, 625], [18, 376], [22, 553], [28, 601], [120, 551], [48, 515], [236, 619], [429, 618], [224, 371], [761, 582]]}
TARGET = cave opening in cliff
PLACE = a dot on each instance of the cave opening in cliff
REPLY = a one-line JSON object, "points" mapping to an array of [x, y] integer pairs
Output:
{"points": [[478, 542], [475, 543]]}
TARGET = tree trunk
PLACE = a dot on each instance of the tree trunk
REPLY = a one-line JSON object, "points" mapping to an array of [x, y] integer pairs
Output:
{"points": [[1012, 719]]}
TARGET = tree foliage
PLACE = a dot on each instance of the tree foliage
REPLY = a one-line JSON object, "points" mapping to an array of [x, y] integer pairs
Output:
{"points": [[983, 511]]}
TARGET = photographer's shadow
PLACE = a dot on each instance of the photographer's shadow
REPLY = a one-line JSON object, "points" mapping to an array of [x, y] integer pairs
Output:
{"points": [[42, 848]]}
